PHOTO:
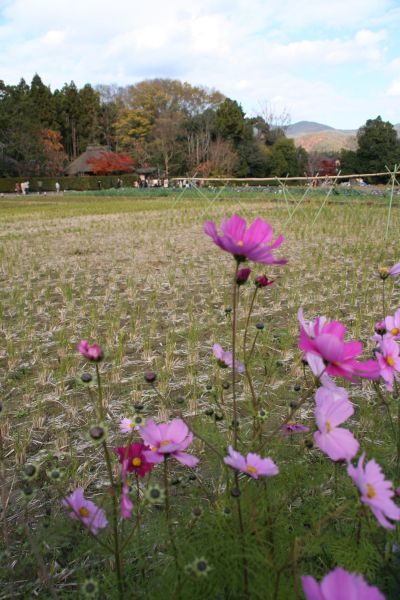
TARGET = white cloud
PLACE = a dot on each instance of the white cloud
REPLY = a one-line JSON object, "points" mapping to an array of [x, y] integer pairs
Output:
{"points": [[394, 88], [54, 36], [249, 49]]}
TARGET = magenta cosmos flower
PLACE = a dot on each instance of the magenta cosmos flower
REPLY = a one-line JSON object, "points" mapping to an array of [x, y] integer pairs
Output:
{"points": [[225, 359], [340, 585], [375, 490], [252, 464], [388, 360], [336, 442], [326, 340], [133, 460], [245, 243], [168, 439], [85, 511], [91, 352]]}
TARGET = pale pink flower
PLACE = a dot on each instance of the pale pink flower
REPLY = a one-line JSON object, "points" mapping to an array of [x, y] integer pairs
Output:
{"points": [[375, 490], [251, 243], [395, 270], [326, 340], [336, 442], [85, 511], [388, 360], [127, 426], [92, 352], [392, 324], [252, 464], [340, 585], [225, 359], [126, 503], [168, 439]]}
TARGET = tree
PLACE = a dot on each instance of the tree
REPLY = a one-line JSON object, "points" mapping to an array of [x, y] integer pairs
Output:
{"points": [[51, 157], [229, 121], [349, 163], [111, 162], [166, 141], [284, 158], [378, 146]]}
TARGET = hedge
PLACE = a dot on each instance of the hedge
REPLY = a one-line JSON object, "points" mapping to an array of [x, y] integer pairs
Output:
{"points": [[81, 183]]}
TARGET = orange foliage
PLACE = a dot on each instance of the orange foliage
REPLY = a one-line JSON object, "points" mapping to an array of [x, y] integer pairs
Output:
{"points": [[111, 162]]}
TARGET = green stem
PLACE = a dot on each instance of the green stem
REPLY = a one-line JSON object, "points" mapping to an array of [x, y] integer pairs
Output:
{"points": [[117, 552], [242, 539], [43, 573], [383, 299], [100, 394], [234, 319], [169, 525]]}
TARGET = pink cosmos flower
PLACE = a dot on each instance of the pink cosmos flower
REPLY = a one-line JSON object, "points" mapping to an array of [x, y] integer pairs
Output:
{"points": [[326, 340], [337, 443], [293, 427], [91, 352], [388, 360], [395, 270], [246, 244], [127, 426], [126, 503], [225, 359], [252, 464], [375, 490], [340, 585], [392, 325], [85, 511], [133, 460], [168, 439]]}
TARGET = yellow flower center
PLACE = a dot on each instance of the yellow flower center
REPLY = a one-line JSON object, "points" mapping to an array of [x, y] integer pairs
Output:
{"points": [[165, 443], [390, 361], [83, 511], [136, 462], [371, 491], [131, 425], [328, 426], [395, 331], [240, 243], [251, 469], [384, 270], [291, 423]]}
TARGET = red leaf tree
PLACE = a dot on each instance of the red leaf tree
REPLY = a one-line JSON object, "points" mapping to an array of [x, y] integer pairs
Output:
{"points": [[111, 162]]}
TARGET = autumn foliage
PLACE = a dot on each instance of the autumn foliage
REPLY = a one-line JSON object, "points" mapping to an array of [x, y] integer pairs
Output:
{"points": [[111, 162]]}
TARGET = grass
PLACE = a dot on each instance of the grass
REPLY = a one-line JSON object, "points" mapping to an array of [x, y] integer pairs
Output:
{"points": [[139, 276]]}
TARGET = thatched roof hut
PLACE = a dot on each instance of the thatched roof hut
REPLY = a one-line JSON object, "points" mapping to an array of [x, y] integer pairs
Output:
{"points": [[81, 165]]}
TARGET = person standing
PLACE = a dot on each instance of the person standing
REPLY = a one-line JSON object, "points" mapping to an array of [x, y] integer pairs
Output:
{"points": [[58, 187]]}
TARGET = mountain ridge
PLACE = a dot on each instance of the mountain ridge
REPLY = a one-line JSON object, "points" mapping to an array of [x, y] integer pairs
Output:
{"points": [[319, 137]]}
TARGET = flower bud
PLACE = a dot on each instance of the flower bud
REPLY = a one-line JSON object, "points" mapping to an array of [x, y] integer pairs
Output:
{"points": [[263, 281], [242, 275], [150, 376]]}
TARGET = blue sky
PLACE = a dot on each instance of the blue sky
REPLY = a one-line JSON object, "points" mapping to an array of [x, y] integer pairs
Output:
{"points": [[334, 62]]}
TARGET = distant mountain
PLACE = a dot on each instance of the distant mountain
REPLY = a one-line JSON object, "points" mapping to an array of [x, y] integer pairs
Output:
{"points": [[305, 127], [323, 138]]}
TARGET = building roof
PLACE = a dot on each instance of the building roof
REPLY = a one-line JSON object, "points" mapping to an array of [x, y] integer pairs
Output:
{"points": [[81, 165]]}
